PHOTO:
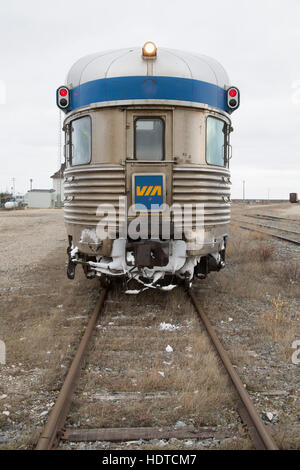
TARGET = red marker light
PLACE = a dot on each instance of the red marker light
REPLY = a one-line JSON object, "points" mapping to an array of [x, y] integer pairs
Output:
{"points": [[233, 98], [63, 98]]}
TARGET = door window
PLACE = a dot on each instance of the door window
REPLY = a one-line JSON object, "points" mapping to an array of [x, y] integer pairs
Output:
{"points": [[149, 138]]}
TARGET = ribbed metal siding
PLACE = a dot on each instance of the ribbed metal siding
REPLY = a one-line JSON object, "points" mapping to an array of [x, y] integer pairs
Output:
{"points": [[207, 185], [87, 188]]}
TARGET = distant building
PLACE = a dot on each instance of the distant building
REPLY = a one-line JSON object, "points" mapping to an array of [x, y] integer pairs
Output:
{"points": [[58, 185], [20, 199], [41, 198]]}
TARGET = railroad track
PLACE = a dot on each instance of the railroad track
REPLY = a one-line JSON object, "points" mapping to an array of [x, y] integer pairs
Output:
{"points": [[55, 430], [273, 217], [291, 236]]}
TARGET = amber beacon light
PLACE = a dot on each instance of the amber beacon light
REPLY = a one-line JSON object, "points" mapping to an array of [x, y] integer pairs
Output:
{"points": [[149, 50]]}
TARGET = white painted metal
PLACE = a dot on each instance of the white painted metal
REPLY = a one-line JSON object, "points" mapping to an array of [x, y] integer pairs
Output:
{"points": [[129, 62], [41, 199]]}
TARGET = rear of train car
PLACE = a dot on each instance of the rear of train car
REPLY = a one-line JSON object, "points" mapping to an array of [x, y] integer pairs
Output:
{"points": [[147, 180]]}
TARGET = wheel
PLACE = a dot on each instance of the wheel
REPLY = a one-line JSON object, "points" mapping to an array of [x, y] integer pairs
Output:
{"points": [[71, 269]]}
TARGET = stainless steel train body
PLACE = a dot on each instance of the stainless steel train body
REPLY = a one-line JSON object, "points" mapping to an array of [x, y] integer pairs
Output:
{"points": [[147, 181]]}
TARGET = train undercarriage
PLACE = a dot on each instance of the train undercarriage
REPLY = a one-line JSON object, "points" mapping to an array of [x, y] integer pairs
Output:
{"points": [[155, 264]]}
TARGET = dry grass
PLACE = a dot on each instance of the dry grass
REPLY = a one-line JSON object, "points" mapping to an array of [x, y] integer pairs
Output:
{"points": [[260, 290], [254, 268], [244, 246], [130, 356], [290, 272], [40, 337], [129, 349], [256, 274], [276, 325], [236, 444], [239, 354], [288, 433]]}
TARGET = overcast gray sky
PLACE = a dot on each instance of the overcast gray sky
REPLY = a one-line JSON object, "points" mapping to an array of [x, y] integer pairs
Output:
{"points": [[257, 41]]}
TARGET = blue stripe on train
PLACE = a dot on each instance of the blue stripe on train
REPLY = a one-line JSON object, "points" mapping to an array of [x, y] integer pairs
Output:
{"points": [[146, 87]]}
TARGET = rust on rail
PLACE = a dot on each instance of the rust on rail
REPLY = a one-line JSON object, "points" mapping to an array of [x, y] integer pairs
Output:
{"points": [[260, 435]]}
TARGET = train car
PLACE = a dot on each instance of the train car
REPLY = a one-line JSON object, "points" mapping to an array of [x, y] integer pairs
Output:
{"points": [[147, 180]]}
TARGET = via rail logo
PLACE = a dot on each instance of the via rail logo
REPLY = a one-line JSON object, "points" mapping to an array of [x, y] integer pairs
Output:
{"points": [[148, 191]]}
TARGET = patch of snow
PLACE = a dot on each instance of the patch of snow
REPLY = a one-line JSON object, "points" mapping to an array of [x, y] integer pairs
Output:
{"points": [[161, 373], [88, 236], [189, 443], [180, 424], [73, 252], [130, 258], [168, 326], [162, 443], [169, 287], [252, 353], [169, 348], [76, 318]]}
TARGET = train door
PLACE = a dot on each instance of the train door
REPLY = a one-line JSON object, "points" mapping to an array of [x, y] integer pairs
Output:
{"points": [[149, 162]]}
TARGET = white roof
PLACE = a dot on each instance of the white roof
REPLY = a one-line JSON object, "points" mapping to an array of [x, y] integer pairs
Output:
{"points": [[129, 62]]}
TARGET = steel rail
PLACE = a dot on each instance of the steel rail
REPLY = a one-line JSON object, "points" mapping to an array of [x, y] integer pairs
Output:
{"points": [[274, 235], [52, 431], [255, 228], [263, 439], [258, 224], [272, 217]]}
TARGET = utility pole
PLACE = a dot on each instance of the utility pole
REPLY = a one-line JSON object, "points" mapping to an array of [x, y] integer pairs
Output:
{"points": [[59, 154], [243, 190], [13, 186], [30, 184]]}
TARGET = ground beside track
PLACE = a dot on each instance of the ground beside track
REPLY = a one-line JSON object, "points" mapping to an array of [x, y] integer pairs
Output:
{"points": [[42, 315], [254, 304]]}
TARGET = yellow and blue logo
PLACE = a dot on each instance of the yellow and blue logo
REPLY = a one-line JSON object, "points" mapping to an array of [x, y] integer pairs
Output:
{"points": [[148, 191]]}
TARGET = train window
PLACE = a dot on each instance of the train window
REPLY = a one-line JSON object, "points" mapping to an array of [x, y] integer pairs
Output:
{"points": [[149, 138], [81, 138], [215, 141]]}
